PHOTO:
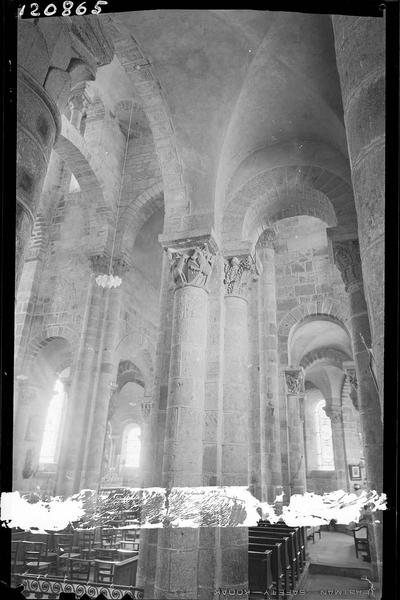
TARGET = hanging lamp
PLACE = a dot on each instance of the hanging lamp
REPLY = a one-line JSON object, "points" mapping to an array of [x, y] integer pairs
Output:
{"points": [[110, 280]]}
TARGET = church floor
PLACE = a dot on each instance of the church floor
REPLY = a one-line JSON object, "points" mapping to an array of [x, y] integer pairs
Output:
{"points": [[334, 569], [337, 550]]}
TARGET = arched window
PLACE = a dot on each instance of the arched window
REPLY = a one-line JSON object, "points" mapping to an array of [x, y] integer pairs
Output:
{"points": [[324, 438], [131, 446], [51, 434]]}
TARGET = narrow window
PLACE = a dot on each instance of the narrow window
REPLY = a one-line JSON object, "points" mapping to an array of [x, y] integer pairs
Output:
{"points": [[48, 451], [131, 447]]}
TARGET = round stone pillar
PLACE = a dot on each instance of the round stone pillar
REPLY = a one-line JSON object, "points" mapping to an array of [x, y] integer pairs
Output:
{"points": [[360, 58], [153, 452], [38, 124], [271, 473], [347, 259], [178, 548], [334, 412], [232, 542], [294, 379]]}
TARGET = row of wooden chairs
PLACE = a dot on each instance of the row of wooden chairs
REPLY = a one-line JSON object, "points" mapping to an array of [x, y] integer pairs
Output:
{"points": [[66, 554], [277, 557]]}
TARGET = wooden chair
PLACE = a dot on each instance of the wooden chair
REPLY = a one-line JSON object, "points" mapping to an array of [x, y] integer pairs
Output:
{"points": [[312, 531], [361, 542], [16, 556], [104, 571], [87, 542], [108, 537], [107, 554], [65, 550], [33, 557], [79, 569]]}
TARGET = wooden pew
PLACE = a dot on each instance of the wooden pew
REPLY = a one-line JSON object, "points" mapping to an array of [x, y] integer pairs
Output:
{"points": [[260, 572], [290, 548], [299, 539], [283, 545], [277, 568]]}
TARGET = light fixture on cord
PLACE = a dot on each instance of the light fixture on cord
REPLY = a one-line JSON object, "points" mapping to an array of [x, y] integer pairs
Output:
{"points": [[110, 280]]}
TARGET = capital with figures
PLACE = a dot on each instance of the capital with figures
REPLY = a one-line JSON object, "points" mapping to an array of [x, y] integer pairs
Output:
{"points": [[238, 270], [294, 381], [191, 266]]}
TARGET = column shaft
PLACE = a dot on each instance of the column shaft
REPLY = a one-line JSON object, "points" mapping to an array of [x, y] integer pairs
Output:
{"points": [[334, 412], [360, 57], [178, 548], [295, 418], [269, 379]]}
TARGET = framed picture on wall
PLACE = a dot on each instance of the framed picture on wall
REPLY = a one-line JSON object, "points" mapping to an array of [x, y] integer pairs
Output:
{"points": [[355, 472]]}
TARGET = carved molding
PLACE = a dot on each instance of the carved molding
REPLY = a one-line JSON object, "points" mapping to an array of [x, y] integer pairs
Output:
{"points": [[237, 273], [294, 381], [347, 258], [191, 266]]}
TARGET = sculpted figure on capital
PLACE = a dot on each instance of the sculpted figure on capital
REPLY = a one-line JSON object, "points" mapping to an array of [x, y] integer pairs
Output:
{"points": [[192, 266]]}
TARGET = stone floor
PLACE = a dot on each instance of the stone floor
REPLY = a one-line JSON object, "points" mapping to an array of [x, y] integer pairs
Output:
{"points": [[335, 549], [334, 569]]}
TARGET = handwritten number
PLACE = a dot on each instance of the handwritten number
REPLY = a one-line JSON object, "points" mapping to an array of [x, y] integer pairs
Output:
{"points": [[50, 10], [80, 10], [97, 7], [35, 7], [67, 6]]}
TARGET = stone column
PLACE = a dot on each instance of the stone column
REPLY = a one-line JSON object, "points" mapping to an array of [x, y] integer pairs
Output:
{"points": [[294, 380], [232, 543], [360, 58], [271, 472], [106, 369], [334, 411], [347, 259], [154, 451], [177, 553], [351, 418], [38, 124], [255, 473]]}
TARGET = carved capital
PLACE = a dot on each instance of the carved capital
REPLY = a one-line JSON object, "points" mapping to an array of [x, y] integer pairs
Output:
{"points": [[191, 266], [238, 271], [347, 258], [267, 239], [294, 381]]}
